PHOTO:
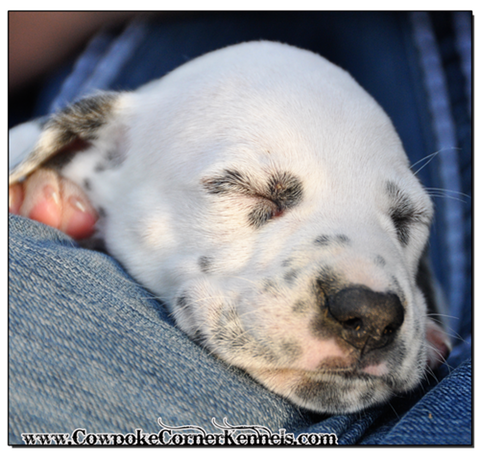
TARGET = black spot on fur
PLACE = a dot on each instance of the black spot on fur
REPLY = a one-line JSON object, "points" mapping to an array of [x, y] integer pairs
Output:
{"points": [[205, 264], [182, 302], [342, 239], [99, 167], [270, 286], [229, 333], [322, 240], [101, 212], [300, 307], [290, 276], [327, 240], [380, 261], [286, 263], [326, 393], [290, 350], [87, 184], [114, 159]]}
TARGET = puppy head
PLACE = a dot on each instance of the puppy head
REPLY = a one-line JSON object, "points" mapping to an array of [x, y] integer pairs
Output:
{"points": [[266, 198]]}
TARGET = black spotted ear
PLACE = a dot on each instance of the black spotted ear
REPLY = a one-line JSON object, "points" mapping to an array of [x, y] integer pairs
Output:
{"points": [[438, 342], [36, 143]]}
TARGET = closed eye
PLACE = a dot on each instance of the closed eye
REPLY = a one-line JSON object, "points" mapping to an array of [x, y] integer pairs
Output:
{"points": [[402, 217], [404, 213], [281, 191]]}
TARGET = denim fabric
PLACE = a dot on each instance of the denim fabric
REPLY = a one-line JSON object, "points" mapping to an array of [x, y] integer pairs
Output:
{"points": [[437, 418], [91, 348]]}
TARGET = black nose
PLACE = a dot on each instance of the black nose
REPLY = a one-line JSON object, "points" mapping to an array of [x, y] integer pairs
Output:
{"points": [[364, 318]]}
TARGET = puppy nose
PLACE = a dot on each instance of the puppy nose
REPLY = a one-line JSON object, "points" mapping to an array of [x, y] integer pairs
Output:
{"points": [[364, 318]]}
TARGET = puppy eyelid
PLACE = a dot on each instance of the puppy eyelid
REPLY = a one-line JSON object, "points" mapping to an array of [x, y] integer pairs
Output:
{"points": [[270, 198]]}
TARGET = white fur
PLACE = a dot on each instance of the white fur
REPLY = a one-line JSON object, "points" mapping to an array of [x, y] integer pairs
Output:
{"points": [[262, 108]]}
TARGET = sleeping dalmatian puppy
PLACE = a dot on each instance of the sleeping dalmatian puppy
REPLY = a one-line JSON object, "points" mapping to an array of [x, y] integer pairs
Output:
{"points": [[267, 199]]}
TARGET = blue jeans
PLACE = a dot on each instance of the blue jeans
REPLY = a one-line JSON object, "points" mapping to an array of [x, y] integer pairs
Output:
{"points": [[90, 348]]}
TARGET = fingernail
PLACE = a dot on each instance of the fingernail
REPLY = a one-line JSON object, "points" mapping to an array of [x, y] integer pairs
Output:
{"points": [[77, 203], [51, 194], [80, 220]]}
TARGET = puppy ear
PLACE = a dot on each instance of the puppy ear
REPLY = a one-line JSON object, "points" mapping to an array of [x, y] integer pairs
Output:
{"points": [[439, 344], [36, 143]]}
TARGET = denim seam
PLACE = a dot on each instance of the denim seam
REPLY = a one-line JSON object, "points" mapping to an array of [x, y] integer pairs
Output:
{"points": [[444, 130]]}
